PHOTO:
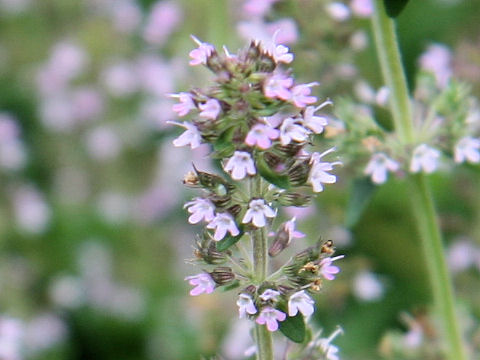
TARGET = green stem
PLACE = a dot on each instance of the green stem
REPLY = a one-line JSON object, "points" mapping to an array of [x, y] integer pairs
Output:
{"points": [[420, 195], [263, 337], [392, 70]]}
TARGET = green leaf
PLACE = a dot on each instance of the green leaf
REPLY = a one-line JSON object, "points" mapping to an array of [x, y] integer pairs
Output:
{"points": [[228, 241], [361, 192], [271, 176], [294, 328], [394, 7]]}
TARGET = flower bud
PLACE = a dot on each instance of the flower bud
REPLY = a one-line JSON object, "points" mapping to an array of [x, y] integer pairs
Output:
{"points": [[287, 198], [206, 250], [222, 275], [191, 179], [280, 242], [298, 173]]}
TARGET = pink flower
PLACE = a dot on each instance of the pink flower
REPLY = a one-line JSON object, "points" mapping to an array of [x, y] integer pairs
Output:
{"points": [[281, 54], [289, 227], [319, 172], [190, 137], [201, 209], [379, 166], [270, 316], [257, 213], [200, 55], [245, 305], [270, 294], [327, 270], [291, 130], [186, 103], [362, 8], [301, 95], [315, 123], [240, 164], [203, 283], [262, 136], [165, 16], [425, 158], [300, 301], [467, 149], [257, 7], [210, 109], [223, 223], [277, 86]]}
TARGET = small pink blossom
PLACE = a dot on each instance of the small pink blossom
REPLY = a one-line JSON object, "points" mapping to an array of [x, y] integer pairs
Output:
{"points": [[262, 136], [223, 223], [257, 213], [437, 60], [312, 122], [200, 55], [362, 8], [467, 149], [289, 227], [270, 295], [425, 158], [190, 137], [203, 283], [210, 109], [270, 317], [301, 95], [186, 103], [240, 164], [281, 54], [292, 130], [245, 305], [327, 270], [379, 166], [300, 301], [277, 86], [201, 209], [338, 11], [257, 7], [164, 18], [319, 171]]}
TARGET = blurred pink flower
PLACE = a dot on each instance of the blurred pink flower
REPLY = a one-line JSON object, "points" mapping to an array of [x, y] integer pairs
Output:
{"points": [[437, 60], [103, 143], [164, 18], [31, 211], [126, 15], [120, 78]]}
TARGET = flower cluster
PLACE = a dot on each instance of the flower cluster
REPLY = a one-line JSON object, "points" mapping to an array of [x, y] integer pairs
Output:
{"points": [[446, 125], [259, 122]]}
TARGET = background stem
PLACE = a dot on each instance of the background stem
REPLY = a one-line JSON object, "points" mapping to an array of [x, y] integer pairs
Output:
{"points": [[420, 195]]}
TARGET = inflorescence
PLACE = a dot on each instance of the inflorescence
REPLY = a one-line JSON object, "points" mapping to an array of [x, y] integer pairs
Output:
{"points": [[259, 122]]}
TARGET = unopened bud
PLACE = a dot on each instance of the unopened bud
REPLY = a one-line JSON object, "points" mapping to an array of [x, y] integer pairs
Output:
{"points": [[293, 199], [280, 242], [298, 173], [222, 275]]}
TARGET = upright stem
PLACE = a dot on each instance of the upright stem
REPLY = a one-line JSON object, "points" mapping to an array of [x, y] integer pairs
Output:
{"points": [[420, 195], [263, 337]]}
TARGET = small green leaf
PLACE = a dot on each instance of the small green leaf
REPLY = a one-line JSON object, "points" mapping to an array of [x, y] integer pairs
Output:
{"points": [[228, 241], [394, 7], [361, 192], [294, 328], [271, 176], [231, 286]]}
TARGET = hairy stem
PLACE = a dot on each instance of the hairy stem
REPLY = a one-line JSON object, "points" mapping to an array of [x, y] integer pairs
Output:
{"points": [[420, 195], [263, 337]]}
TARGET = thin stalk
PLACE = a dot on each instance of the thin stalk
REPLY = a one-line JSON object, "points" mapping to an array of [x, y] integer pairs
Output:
{"points": [[263, 337], [392, 70], [420, 195]]}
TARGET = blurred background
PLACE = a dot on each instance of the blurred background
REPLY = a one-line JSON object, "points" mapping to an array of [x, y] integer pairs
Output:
{"points": [[93, 236]]}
